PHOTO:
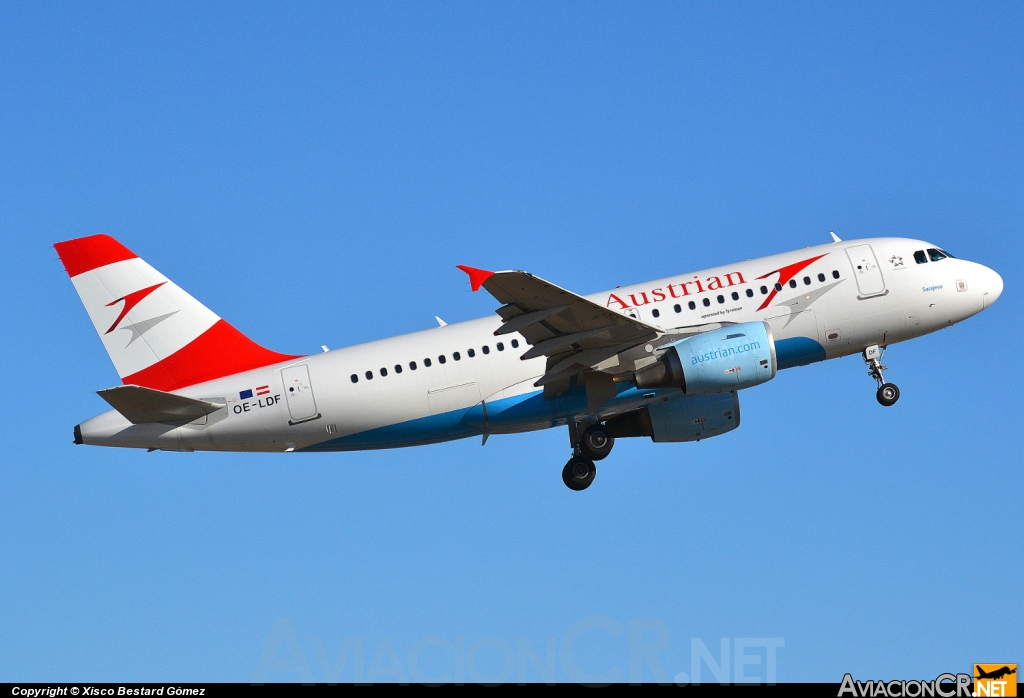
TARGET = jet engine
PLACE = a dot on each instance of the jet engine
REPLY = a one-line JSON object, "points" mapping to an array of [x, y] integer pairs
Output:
{"points": [[720, 361]]}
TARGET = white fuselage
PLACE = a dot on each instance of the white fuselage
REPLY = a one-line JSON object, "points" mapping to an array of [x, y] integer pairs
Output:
{"points": [[830, 308]]}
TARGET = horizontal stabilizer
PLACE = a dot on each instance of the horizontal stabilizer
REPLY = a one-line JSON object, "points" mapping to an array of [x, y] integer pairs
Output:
{"points": [[147, 406]]}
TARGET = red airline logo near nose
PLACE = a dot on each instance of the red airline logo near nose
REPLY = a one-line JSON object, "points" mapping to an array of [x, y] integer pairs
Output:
{"points": [[130, 301], [785, 274]]}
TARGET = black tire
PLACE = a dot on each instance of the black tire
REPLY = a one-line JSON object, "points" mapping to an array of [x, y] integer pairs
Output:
{"points": [[596, 442], [578, 473], [888, 394]]}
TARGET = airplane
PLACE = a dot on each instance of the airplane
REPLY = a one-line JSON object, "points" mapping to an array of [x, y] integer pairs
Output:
{"points": [[995, 674], [663, 359]]}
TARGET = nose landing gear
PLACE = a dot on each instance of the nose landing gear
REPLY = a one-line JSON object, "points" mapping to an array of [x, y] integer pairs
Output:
{"points": [[594, 443], [887, 393]]}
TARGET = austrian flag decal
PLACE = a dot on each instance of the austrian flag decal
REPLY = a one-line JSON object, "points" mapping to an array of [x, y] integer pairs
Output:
{"points": [[261, 390]]}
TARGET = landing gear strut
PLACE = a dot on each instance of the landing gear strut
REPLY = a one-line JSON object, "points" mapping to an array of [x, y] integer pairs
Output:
{"points": [[594, 443], [887, 393]]}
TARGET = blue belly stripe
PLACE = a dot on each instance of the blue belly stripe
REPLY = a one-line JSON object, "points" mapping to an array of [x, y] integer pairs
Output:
{"points": [[415, 432], [519, 413], [798, 351]]}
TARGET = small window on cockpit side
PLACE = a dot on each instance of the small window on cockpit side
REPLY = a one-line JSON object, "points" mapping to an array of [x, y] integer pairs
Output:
{"points": [[920, 257]]}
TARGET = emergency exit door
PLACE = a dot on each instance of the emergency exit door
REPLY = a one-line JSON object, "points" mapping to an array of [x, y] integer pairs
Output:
{"points": [[866, 271], [298, 393]]}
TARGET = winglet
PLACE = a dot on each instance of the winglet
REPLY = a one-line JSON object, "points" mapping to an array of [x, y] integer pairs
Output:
{"points": [[835, 238], [477, 277]]}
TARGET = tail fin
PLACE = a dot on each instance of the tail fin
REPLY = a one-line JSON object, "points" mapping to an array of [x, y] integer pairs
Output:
{"points": [[157, 335]]}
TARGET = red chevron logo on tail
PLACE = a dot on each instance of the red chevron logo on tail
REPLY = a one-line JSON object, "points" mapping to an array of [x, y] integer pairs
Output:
{"points": [[130, 301]]}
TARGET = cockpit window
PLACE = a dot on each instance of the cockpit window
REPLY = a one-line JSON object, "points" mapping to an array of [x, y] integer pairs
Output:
{"points": [[935, 255], [920, 257], [947, 254]]}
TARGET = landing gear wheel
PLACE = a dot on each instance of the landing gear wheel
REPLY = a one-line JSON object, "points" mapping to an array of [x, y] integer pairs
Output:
{"points": [[596, 442], [887, 394], [578, 473]]}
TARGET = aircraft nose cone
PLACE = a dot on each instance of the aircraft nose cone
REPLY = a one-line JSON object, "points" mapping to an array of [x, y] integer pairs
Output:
{"points": [[992, 286]]}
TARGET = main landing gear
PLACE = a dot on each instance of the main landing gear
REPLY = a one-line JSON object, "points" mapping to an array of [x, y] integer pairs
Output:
{"points": [[887, 393], [594, 443]]}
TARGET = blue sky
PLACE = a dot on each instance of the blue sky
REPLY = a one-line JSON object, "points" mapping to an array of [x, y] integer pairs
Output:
{"points": [[313, 174]]}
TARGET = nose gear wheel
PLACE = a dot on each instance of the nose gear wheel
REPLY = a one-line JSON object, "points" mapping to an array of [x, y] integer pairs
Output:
{"points": [[887, 393]]}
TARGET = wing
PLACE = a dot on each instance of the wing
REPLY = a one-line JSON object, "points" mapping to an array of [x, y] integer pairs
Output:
{"points": [[575, 334]]}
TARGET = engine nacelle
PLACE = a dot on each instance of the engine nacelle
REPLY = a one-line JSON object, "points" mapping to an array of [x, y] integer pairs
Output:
{"points": [[720, 361]]}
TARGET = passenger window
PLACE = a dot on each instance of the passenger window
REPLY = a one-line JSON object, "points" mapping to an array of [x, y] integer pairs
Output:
{"points": [[778, 287], [750, 293], [426, 362], [792, 283], [383, 372], [487, 349], [412, 365], [398, 368], [656, 312], [735, 296], [835, 274], [707, 302], [457, 356], [821, 277], [441, 359], [678, 308], [471, 353], [355, 378], [935, 255], [764, 290], [807, 281], [920, 257], [501, 347], [515, 343], [369, 375], [691, 305]]}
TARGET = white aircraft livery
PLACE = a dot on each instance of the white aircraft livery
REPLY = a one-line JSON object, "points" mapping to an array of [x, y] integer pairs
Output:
{"points": [[664, 359]]}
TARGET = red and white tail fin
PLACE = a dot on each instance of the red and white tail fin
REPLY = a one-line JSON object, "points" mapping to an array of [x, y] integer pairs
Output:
{"points": [[157, 335]]}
